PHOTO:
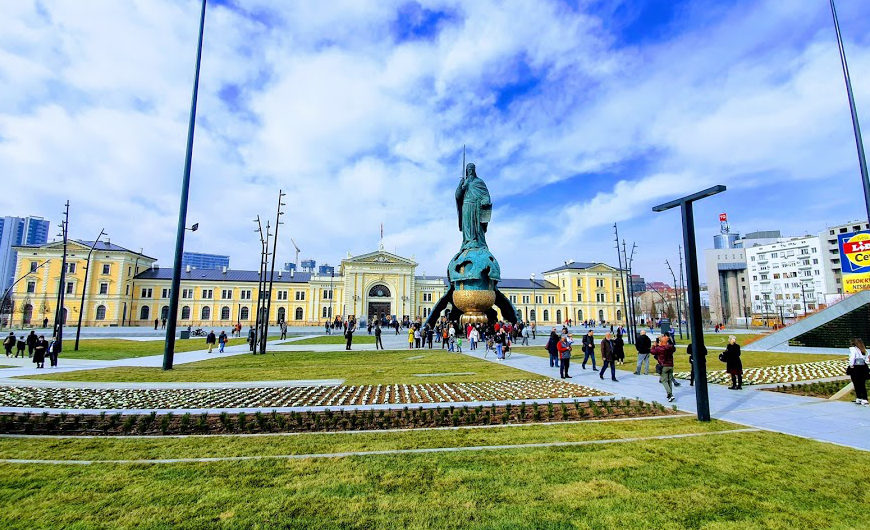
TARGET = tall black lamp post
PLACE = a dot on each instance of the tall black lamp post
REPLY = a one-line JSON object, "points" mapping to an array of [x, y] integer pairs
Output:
{"points": [[169, 344], [85, 287], [699, 357]]}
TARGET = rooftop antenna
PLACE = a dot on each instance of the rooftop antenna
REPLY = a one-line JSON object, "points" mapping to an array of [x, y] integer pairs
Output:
{"points": [[297, 251]]}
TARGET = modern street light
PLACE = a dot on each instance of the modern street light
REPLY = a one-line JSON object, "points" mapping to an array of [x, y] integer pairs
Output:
{"points": [[59, 315], [677, 300], [534, 299], [85, 287], [169, 345], [699, 357]]}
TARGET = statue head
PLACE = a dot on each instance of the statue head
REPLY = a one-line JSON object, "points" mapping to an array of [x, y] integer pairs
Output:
{"points": [[469, 170]]}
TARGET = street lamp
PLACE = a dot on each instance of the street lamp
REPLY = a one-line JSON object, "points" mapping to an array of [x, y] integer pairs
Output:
{"points": [[677, 300], [699, 359], [331, 292], [534, 299], [85, 287], [745, 308]]}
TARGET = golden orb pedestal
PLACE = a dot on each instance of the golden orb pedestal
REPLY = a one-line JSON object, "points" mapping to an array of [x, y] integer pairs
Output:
{"points": [[473, 304]]}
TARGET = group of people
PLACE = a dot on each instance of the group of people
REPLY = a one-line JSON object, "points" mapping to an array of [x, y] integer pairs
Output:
{"points": [[560, 347], [37, 348]]}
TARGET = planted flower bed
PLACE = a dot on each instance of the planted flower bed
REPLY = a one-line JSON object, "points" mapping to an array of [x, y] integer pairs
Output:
{"points": [[779, 374], [338, 420], [306, 396], [823, 389]]}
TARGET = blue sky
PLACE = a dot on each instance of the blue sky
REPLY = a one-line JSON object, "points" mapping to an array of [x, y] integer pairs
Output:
{"points": [[578, 114]]}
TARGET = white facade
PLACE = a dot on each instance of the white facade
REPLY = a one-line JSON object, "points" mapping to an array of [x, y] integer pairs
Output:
{"points": [[786, 277], [831, 252]]}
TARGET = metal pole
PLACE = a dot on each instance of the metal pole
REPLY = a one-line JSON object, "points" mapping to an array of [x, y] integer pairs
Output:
{"points": [[59, 320], [85, 288], [272, 272], [683, 289], [745, 309], [260, 278], [676, 300], [862, 160], [619, 259], [629, 319], [699, 351], [169, 345]]}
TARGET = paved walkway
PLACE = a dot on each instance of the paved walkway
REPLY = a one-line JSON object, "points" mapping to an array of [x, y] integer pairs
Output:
{"points": [[837, 422]]}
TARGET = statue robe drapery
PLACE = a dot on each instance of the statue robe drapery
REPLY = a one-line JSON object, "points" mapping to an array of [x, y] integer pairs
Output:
{"points": [[474, 210]]}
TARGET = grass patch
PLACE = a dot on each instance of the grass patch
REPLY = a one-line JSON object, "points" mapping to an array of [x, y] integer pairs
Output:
{"points": [[756, 479], [355, 367], [824, 389], [335, 339], [113, 349]]}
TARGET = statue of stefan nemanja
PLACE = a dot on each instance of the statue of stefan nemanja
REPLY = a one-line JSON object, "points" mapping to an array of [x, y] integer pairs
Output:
{"points": [[473, 272]]}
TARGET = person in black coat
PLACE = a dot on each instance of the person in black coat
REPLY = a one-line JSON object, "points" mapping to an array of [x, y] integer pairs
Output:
{"points": [[31, 343], [619, 349], [348, 333], [644, 344], [39, 352], [552, 350], [733, 364]]}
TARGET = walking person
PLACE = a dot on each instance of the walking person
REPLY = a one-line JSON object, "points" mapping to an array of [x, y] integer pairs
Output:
{"points": [[210, 339], [459, 343], [608, 357], [31, 343], [564, 349], [552, 349], [733, 364], [589, 349], [417, 337], [643, 347], [525, 334], [664, 353], [534, 329], [20, 345], [619, 349], [348, 334], [858, 370], [473, 338], [411, 339], [52, 352], [379, 344], [156, 322], [9, 342], [163, 323], [251, 339], [283, 330], [222, 341], [39, 352]]}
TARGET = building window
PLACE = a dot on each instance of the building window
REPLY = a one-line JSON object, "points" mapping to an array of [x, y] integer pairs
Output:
{"points": [[300, 295], [101, 312], [551, 300], [579, 282], [579, 315], [546, 315], [71, 268], [324, 311], [538, 299], [244, 313], [31, 287], [164, 293], [104, 288], [282, 295], [282, 314], [427, 297], [127, 290], [327, 294], [245, 294], [298, 313], [205, 313], [525, 299], [225, 313], [146, 292], [207, 294], [513, 298], [599, 283], [33, 266], [187, 293], [579, 297], [600, 297], [70, 288], [106, 268], [226, 294], [532, 315], [144, 312], [185, 313], [164, 313]]}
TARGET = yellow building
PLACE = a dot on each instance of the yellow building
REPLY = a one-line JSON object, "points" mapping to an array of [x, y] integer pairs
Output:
{"points": [[127, 288]]}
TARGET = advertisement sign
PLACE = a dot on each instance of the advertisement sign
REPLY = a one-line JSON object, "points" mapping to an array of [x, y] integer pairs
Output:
{"points": [[855, 261], [723, 217]]}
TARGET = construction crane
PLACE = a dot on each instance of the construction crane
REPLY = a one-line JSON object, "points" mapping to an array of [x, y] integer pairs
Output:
{"points": [[297, 252]]}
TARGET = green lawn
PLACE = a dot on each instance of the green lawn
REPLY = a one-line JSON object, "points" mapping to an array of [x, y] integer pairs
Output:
{"points": [[355, 367], [757, 479], [112, 349], [336, 339]]}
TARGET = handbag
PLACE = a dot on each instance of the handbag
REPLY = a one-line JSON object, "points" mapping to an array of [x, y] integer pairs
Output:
{"points": [[849, 370], [722, 357], [659, 369]]}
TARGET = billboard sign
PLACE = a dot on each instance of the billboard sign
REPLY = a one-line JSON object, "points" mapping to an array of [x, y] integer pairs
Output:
{"points": [[855, 261], [723, 217]]}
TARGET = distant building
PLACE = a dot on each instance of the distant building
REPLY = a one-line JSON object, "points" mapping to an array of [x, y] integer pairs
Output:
{"points": [[198, 260], [308, 265], [658, 286], [786, 278], [638, 284], [288, 267], [326, 270], [15, 231], [831, 255]]}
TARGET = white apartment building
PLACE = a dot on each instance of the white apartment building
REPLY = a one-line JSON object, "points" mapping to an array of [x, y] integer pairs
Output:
{"points": [[786, 278], [831, 255]]}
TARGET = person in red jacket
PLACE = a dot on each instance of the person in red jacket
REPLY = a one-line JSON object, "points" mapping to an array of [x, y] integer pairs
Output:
{"points": [[664, 353], [564, 349]]}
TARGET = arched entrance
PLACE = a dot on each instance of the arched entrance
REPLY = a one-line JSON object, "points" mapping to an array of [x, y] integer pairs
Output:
{"points": [[28, 315], [379, 298]]}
